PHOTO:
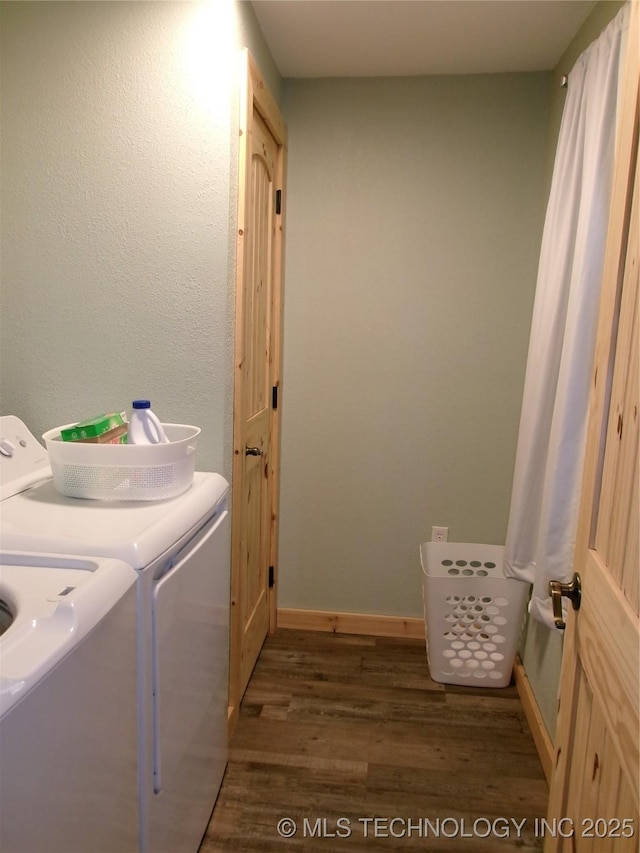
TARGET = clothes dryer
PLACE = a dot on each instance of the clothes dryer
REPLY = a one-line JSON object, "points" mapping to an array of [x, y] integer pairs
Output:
{"points": [[180, 550]]}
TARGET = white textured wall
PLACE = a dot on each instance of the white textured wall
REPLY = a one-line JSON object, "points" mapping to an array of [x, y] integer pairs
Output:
{"points": [[116, 149], [413, 230]]}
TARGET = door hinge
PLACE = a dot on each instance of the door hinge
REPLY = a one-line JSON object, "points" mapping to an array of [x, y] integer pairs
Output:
{"points": [[278, 201], [274, 397], [271, 577]]}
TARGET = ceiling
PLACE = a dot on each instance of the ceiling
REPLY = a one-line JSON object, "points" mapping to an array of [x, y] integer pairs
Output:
{"points": [[371, 38]]}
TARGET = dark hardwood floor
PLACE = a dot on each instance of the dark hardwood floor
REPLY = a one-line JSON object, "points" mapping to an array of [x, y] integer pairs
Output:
{"points": [[345, 744]]}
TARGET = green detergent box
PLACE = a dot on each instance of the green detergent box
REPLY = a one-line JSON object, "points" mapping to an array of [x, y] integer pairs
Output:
{"points": [[100, 428]]}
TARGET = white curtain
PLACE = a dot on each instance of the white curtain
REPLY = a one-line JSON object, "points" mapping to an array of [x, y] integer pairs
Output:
{"points": [[548, 470]]}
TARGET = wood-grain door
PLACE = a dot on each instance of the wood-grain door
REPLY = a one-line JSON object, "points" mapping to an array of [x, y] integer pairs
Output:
{"points": [[595, 783], [258, 348]]}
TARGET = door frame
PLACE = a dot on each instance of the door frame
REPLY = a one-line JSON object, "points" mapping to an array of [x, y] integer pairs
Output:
{"points": [[254, 95]]}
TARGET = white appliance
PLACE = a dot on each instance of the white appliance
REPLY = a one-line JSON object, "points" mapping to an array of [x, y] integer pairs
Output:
{"points": [[68, 728], [180, 550]]}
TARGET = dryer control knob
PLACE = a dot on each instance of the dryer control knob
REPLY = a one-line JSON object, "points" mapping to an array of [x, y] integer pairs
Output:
{"points": [[6, 447]]}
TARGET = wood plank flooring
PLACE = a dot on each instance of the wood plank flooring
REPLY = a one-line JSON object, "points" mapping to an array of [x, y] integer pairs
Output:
{"points": [[347, 739]]}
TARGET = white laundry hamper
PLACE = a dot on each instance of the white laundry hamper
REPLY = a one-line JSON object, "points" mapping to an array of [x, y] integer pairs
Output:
{"points": [[473, 613]]}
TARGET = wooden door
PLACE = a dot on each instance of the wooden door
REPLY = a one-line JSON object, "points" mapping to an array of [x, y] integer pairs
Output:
{"points": [[595, 784], [258, 348]]}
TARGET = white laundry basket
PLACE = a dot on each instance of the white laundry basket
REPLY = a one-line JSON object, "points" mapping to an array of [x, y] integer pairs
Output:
{"points": [[127, 472], [473, 614]]}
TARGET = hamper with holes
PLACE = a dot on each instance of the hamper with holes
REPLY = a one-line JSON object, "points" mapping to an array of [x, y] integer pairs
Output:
{"points": [[473, 614]]}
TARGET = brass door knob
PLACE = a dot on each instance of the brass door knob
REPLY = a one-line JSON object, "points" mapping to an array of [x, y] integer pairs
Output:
{"points": [[572, 591]]}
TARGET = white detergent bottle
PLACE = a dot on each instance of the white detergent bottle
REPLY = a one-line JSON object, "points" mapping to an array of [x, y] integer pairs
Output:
{"points": [[144, 426]]}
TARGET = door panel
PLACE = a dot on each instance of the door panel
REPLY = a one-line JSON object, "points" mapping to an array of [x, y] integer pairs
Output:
{"points": [[595, 783], [258, 283], [599, 794], [617, 531], [260, 280], [257, 370], [255, 553]]}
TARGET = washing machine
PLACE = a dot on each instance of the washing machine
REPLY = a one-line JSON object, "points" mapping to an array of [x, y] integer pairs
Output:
{"points": [[68, 728], [180, 551]]}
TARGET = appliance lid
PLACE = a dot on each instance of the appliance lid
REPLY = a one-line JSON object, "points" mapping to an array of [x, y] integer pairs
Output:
{"points": [[23, 460], [136, 532], [55, 602]]}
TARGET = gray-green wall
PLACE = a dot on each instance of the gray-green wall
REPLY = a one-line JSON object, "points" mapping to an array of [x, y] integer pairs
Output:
{"points": [[118, 198], [405, 336], [414, 217]]}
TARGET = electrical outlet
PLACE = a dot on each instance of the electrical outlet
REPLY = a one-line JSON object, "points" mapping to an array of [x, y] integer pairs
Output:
{"points": [[439, 534]]}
